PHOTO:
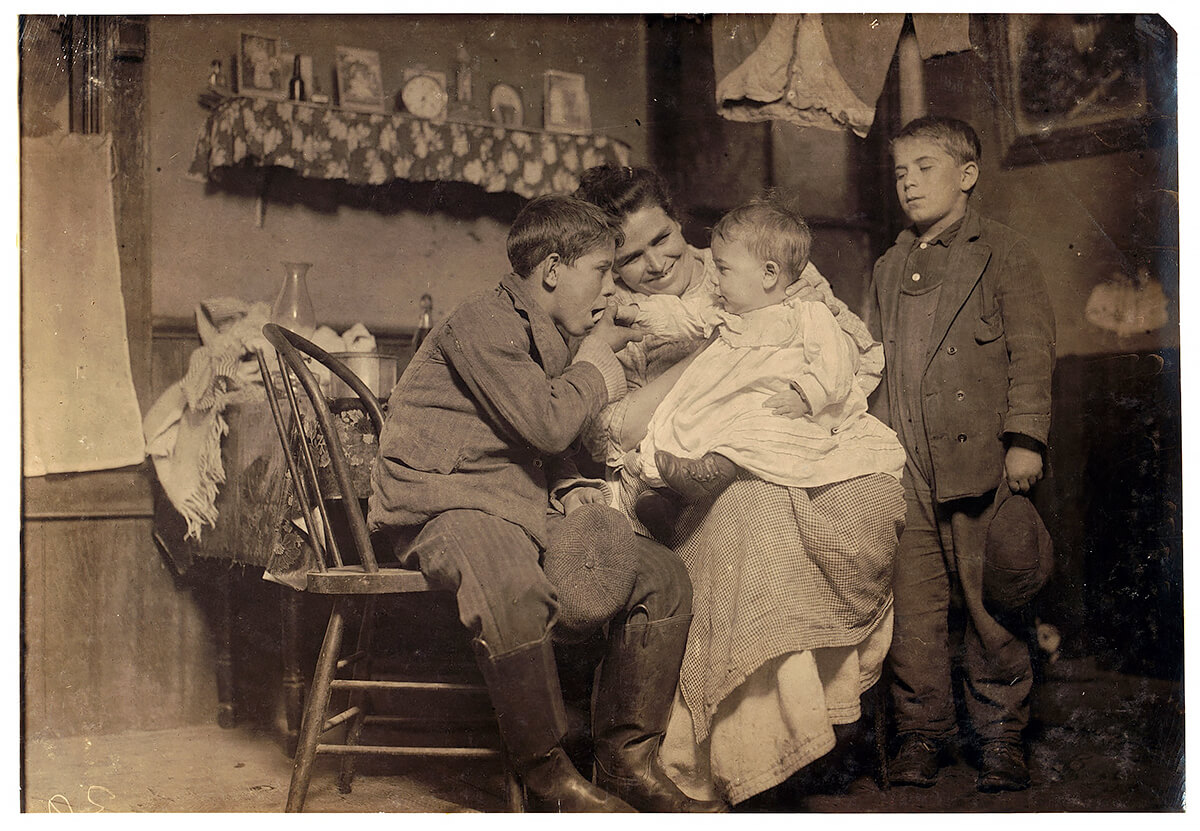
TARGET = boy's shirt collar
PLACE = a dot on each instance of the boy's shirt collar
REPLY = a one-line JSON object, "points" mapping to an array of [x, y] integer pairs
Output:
{"points": [[947, 235], [968, 225]]}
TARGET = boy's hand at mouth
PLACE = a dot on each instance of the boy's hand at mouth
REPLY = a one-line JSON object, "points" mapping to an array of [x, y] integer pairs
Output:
{"points": [[615, 335], [624, 314]]}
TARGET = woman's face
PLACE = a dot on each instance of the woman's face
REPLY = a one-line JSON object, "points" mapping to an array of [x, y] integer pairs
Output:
{"points": [[654, 244]]}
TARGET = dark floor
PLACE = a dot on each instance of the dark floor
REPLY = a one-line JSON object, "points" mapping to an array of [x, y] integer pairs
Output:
{"points": [[1100, 742]]}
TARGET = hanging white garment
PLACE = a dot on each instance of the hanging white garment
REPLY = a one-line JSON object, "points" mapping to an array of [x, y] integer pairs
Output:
{"points": [[80, 409], [818, 71]]}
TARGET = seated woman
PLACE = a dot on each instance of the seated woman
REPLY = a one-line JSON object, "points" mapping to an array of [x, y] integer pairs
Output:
{"points": [[791, 585]]}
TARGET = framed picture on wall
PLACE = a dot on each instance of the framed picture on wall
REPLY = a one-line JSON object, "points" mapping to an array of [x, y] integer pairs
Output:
{"points": [[566, 107], [261, 73], [359, 81], [1073, 85]]}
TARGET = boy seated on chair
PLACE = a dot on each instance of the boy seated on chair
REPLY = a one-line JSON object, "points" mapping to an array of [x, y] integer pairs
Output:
{"points": [[478, 433]]}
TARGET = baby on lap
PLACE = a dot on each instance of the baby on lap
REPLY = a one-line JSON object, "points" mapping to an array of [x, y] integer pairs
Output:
{"points": [[764, 339]]}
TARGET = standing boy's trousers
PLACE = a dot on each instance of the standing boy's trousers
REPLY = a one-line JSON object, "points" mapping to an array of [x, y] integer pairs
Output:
{"points": [[997, 672]]}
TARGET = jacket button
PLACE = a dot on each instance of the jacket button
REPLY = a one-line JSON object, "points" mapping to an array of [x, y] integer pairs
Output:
{"points": [[960, 395], [537, 463], [951, 350], [833, 430], [962, 437]]}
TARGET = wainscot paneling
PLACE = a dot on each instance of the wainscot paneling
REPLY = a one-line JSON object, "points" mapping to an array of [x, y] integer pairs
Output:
{"points": [[111, 641]]}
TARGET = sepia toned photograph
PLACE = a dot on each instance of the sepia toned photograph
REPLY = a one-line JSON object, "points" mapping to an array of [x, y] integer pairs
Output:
{"points": [[260, 68], [567, 108], [359, 80], [790, 424]]}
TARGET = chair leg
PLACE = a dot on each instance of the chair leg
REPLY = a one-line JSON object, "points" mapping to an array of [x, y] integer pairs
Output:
{"points": [[358, 698], [314, 711]]}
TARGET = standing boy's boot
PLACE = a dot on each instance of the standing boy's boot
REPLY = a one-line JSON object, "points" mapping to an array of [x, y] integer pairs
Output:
{"points": [[633, 702], [524, 688], [916, 762], [695, 479], [1002, 766]]}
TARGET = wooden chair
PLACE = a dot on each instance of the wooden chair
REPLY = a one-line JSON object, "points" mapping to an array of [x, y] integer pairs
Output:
{"points": [[350, 581]]}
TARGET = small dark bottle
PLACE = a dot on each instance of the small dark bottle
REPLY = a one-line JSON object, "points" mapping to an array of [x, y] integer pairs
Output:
{"points": [[296, 85], [426, 323]]}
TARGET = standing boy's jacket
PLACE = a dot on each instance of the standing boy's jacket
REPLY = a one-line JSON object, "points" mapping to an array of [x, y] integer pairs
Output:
{"points": [[481, 415], [991, 353]]}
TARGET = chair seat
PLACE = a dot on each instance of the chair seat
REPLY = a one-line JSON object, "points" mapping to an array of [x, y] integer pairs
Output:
{"points": [[356, 580]]}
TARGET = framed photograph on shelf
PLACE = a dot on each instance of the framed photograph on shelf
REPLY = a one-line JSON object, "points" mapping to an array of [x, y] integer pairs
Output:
{"points": [[1072, 85], [359, 81], [261, 73], [566, 107]]}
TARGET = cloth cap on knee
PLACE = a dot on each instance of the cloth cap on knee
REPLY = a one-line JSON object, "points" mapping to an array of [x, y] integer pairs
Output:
{"points": [[592, 562], [1019, 554]]}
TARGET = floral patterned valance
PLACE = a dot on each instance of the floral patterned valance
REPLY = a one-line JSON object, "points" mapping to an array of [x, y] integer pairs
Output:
{"points": [[377, 148]]}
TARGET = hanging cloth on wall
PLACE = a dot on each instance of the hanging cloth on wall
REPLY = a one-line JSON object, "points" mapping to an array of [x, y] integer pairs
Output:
{"points": [[80, 409], [817, 70], [185, 427], [941, 34]]}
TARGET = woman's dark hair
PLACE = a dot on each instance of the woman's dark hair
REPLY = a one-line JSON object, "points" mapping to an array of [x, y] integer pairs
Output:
{"points": [[621, 191], [560, 225]]}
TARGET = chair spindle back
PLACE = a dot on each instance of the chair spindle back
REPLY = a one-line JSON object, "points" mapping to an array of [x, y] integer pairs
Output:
{"points": [[290, 349]]}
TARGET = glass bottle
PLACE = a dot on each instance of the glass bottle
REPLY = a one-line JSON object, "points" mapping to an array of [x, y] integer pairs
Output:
{"points": [[425, 323], [293, 308], [296, 85]]}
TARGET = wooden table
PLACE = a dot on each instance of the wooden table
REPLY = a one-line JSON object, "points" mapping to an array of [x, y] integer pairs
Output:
{"points": [[254, 529]]}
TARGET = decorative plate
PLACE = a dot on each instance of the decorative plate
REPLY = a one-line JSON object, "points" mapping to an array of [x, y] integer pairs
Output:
{"points": [[507, 107]]}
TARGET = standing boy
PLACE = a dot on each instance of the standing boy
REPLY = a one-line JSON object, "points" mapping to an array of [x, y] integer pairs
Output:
{"points": [[968, 335], [476, 435]]}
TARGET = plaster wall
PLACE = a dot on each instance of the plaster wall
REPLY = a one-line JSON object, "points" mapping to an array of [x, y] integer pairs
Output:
{"points": [[368, 265]]}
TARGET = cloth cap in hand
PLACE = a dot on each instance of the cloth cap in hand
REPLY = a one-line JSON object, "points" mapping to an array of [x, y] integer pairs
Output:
{"points": [[592, 562], [1019, 554]]}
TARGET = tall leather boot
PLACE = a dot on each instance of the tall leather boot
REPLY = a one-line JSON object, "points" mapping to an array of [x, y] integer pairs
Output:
{"points": [[633, 702], [524, 688]]}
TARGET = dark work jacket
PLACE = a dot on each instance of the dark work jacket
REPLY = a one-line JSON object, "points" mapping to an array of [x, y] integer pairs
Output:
{"points": [[482, 415], [990, 358]]}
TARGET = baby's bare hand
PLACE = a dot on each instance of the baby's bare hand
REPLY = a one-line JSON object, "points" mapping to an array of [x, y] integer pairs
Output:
{"points": [[788, 403]]}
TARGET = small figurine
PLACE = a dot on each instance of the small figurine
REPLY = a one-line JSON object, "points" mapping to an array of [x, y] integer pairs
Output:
{"points": [[462, 76], [463, 108], [218, 89], [216, 76]]}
